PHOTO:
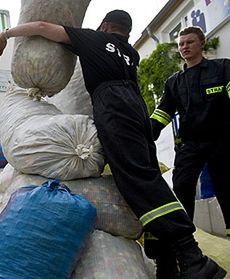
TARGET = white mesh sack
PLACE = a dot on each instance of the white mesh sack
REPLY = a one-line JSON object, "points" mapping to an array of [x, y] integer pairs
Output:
{"points": [[107, 256], [17, 107], [52, 145], [74, 98], [113, 213], [40, 64]]}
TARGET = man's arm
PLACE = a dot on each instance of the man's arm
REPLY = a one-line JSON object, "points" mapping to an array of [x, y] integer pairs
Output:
{"points": [[47, 30], [227, 76], [164, 112]]}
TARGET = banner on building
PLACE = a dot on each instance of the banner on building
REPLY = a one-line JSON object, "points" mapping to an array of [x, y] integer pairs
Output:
{"points": [[208, 14]]}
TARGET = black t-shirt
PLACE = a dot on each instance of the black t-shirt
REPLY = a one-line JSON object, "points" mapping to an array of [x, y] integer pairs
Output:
{"points": [[103, 56]]}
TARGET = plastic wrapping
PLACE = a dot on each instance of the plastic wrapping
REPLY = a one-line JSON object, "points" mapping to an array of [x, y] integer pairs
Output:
{"points": [[42, 232], [3, 161]]}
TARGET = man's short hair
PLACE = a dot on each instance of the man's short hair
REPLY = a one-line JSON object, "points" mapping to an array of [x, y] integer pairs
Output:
{"points": [[193, 29]]}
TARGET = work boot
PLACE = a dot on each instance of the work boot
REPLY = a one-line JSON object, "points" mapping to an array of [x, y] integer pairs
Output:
{"points": [[164, 256], [166, 267], [193, 264]]}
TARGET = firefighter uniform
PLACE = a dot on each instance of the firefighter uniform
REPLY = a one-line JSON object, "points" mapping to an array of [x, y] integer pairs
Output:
{"points": [[201, 97], [124, 128]]}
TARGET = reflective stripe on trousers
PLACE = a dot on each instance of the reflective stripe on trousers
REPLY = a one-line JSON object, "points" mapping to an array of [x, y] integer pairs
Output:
{"points": [[160, 211]]}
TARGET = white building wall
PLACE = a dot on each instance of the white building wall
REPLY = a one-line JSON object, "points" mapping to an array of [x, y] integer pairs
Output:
{"points": [[224, 37], [146, 49], [174, 19]]}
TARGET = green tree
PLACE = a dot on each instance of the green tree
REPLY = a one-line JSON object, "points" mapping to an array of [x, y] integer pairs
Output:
{"points": [[154, 70]]}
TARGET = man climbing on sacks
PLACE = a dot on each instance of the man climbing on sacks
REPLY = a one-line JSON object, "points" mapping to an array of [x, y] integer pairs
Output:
{"points": [[109, 67]]}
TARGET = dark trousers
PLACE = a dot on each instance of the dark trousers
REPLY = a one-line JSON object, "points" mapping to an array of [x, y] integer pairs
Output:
{"points": [[190, 160], [124, 130]]}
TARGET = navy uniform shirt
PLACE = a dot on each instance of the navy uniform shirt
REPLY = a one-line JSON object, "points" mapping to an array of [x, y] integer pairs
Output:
{"points": [[201, 95]]}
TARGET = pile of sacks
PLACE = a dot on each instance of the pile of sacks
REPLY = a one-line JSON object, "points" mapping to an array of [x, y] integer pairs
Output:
{"points": [[48, 136]]}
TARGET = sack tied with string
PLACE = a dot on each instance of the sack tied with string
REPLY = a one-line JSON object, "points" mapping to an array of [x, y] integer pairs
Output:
{"points": [[43, 231]]}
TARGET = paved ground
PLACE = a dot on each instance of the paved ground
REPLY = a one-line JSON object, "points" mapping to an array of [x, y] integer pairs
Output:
{"points": [[217, 248]]}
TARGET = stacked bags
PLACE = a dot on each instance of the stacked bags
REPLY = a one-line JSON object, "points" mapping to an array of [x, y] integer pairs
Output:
{"points": [[113, 214], [43, 229], [112, 249], [37, 138], [48, 136]]}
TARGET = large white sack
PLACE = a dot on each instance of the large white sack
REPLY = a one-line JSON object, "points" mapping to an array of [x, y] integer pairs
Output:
{"points": [[37, 139], [39, 63], [74, 98], [111, 257], [17, 107], [113, 213]]}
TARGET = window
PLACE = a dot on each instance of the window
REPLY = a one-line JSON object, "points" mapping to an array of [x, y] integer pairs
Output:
{"points": [[186, 21], [4, 20], [173, 35]]}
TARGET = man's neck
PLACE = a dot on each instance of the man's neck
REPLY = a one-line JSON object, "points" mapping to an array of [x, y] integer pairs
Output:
{"points": [[192, 62]]}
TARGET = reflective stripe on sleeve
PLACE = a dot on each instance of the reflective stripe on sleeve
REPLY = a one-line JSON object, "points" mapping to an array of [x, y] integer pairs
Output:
{"points": [[160, 211], [228, 89], [161, 116]]}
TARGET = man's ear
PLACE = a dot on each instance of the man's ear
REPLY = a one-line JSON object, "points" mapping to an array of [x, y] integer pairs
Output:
{"points": [[203, 43], [104, 27]]}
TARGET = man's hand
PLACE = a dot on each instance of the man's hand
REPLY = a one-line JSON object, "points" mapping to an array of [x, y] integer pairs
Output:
{"points": [[3, 42]]}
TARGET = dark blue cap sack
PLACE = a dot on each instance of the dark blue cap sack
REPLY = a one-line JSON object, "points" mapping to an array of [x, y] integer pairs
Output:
{"points": [[42, 232]]}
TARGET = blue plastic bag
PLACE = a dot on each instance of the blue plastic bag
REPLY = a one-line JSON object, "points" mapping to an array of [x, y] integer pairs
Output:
{"points": [[3, 161], [206, 188], [42, 231]]}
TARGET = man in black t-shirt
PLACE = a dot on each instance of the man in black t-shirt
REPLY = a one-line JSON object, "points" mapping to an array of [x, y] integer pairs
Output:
{"points": [[109, 68]]}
